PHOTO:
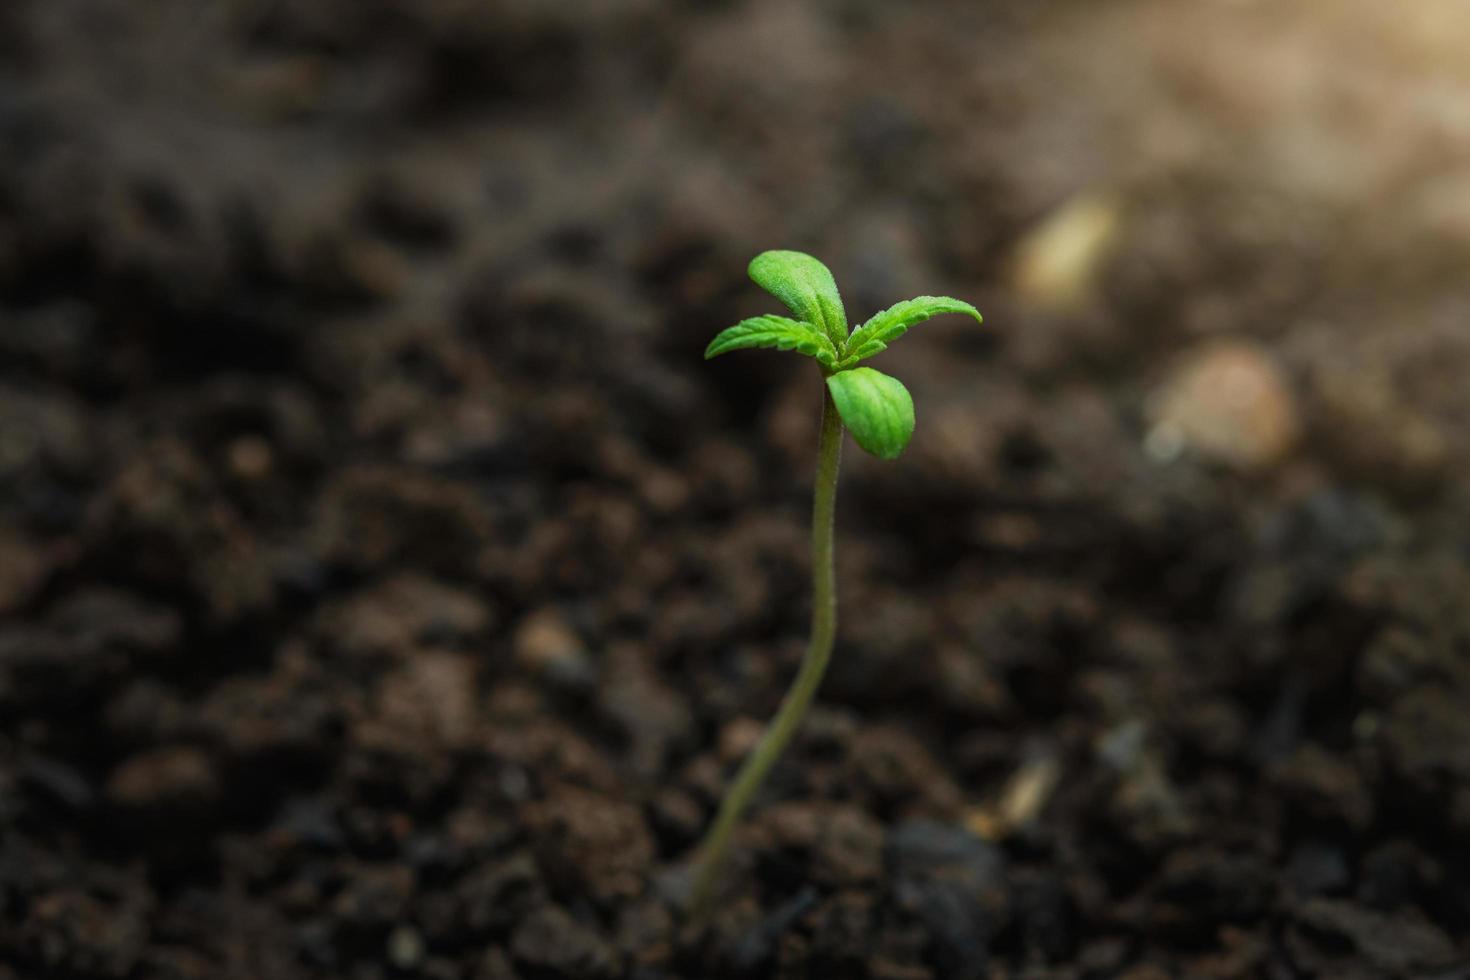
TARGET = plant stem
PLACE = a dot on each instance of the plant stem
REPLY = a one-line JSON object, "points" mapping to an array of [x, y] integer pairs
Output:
{"points": [[788, 717]]}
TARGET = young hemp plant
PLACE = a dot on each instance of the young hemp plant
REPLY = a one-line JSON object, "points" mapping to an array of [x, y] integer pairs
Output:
{"points": [[878, 411]]}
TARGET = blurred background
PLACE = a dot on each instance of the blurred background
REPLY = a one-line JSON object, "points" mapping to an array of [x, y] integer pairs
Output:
{"points": [[388, 588]]}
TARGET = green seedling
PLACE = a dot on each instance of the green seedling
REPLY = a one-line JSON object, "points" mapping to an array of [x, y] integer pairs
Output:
{"points": [[878, 411]]}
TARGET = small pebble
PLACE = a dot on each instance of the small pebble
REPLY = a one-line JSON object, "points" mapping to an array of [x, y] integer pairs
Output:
{"points": [[1056, 265], [1230, 403], [547, 646], [251, 457], [405, 948]]}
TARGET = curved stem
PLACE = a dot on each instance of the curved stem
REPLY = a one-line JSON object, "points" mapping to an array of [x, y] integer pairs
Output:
{"points": [[788, 717]]}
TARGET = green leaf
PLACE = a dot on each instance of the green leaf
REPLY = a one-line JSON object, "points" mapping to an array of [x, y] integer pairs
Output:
{"points": [[876, 407], [883, 328], [806, 287], [774, 331]]}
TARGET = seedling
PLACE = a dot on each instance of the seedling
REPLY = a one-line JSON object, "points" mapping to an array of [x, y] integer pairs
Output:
{"points": [[878, 411]]}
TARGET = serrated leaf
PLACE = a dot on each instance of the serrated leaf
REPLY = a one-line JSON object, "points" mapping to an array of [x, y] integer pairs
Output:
{"points": [[883, 328], [779, 332], [876, 408], [806, 287]]}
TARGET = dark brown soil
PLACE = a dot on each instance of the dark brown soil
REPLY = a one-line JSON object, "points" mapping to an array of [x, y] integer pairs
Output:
{"points": [[388, 589]]}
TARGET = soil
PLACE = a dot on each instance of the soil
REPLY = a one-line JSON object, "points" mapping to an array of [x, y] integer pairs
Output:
{"points": [[388, 589]]}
